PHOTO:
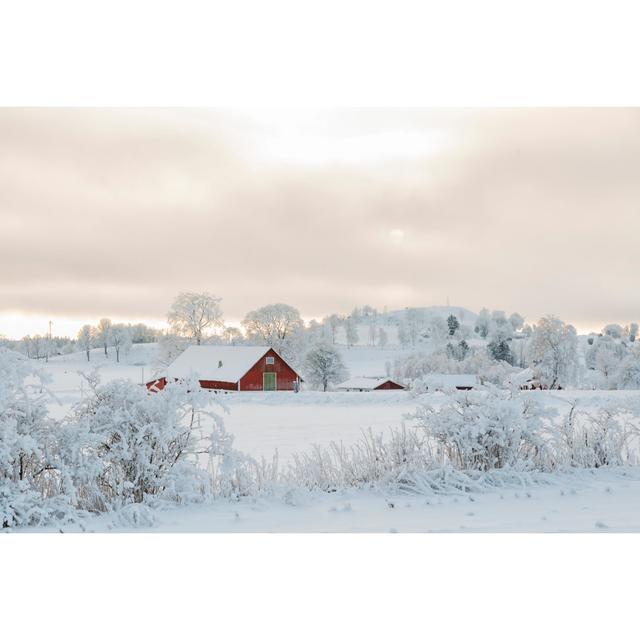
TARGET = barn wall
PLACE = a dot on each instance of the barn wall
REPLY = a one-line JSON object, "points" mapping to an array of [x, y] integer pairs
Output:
{"points": [[156, 385], [388, 385], [216, 384], [286, 376]]}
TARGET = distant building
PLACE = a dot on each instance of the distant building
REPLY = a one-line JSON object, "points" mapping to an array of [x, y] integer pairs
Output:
{"points": [[369, 384], [451, 381], [526, 380], [231, 369]]}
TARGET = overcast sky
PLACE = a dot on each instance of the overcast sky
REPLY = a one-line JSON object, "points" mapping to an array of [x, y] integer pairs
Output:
{"points": [[112, 212]]}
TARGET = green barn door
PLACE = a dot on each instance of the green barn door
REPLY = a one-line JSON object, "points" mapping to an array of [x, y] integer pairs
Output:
{"points": [[268, 381]]}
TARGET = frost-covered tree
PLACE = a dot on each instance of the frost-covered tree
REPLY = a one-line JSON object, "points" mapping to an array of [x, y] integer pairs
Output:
{"points": [[458, 351], [194, 315], [36, 346], [351, 331], [516, 321], [373, 334], [232, 335], [403, 335], [141, 333], [553, 352], [383, 338], [613, 330], [519, 350], [607, 361], [86, 339], [483, 322], [604, 355], [500, 328], [276, 325], [332, 322], [453, 323], [499, 317], [500, 350], [323, 366], [103, 334], [633, 331], [414, 319], [170, 347], [120, 339], [628, 373], [438, 331]]}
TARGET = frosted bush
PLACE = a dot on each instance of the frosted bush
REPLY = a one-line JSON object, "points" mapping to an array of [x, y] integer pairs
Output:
{"points": [[132, 445], [371, 461], [585, 439], [492, 429], [235, 474], [31, 477]]}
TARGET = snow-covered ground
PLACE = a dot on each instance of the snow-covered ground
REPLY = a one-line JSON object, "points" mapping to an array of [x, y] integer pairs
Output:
{"points": [[598, 501], [288, 423]]}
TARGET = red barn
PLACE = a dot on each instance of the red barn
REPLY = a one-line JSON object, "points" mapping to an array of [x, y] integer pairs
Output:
{"points": [[369, 384], [231, 369]]}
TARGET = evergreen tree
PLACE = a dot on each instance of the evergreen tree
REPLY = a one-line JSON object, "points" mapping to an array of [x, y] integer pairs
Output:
{"points": [[500, 350], [453, 324]]}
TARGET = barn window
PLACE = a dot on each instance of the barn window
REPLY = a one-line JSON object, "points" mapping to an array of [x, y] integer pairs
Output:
{"points": [[270, 360]]}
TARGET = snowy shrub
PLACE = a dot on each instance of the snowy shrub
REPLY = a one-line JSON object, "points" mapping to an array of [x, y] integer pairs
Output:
{"points": [[587, 439], [235, 474], [476, 441], [372, 460], [134, 515], [31, 477], [132, 445], [486, 430]]}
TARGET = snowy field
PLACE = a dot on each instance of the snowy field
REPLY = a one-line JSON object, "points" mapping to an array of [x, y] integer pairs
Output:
{"points": [[263, 424], [598, 501], [284, 422]]}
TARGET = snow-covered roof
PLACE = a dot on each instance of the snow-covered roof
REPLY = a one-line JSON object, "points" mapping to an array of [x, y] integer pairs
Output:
{"points": [[213, 362], [363, 383], [450, 380]]}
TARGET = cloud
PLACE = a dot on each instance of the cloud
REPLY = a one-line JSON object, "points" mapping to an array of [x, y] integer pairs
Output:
{"points": [[111, 212]]}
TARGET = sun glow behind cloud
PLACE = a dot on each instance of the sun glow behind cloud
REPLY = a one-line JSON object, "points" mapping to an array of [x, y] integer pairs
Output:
{"points": [[308, 149], [309, 138]]}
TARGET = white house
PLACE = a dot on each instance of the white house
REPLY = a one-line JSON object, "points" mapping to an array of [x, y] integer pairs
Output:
{"points": [[451, 381]]}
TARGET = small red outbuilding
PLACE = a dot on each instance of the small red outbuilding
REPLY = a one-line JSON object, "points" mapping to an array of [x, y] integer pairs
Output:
{"points": [[231, 369], [369, 384]]}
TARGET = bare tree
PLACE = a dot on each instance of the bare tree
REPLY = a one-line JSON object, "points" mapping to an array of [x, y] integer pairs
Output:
{"points": [[103, 334], [86, 339], [553, 352], [120, 338], [277, 325], [192, 315], [323, 366]]}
